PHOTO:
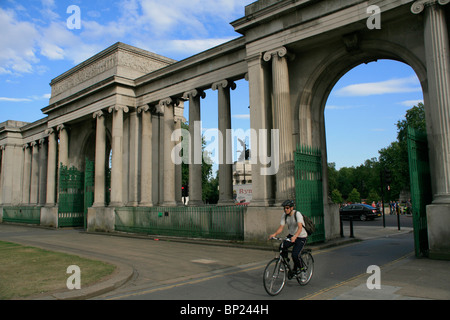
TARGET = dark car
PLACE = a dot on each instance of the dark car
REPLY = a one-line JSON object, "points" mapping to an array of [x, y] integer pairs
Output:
{"points": [[360, 211]]}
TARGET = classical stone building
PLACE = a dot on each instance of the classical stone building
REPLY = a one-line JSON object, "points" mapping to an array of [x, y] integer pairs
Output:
{"points": [[291, 52]]}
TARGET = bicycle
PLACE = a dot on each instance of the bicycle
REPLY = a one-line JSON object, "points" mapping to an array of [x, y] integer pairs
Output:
{"points": [[278, 269]]}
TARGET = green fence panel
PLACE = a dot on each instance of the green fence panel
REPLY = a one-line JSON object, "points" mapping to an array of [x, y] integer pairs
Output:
{"points": [[89, 186], [309, 189], [27, 215], [71, 198], [420, 180], [212, 222]]}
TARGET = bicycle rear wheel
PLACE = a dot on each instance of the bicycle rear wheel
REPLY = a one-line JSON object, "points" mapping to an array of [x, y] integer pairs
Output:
{"points": [[274, 277], [308, 265]]}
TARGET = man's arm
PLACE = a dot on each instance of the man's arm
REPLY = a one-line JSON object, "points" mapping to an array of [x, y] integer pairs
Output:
{"points": [[279, 230]]}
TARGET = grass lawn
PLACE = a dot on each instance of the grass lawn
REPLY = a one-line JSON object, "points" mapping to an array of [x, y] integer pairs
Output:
{"points": [[28, 271]]}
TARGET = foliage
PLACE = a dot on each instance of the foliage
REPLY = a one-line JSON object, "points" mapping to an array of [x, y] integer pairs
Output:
{"points": [[210, 192], [366, 178], [354, 196]]}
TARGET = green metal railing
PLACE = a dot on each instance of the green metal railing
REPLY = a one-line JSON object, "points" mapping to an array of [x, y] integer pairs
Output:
{"points": [[71, 198], [28, 215], [420, 179], [212, 222], [308, 188]]}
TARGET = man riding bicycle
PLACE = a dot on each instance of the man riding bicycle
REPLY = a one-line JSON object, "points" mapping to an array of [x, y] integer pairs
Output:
{"points": [[297, 233]]}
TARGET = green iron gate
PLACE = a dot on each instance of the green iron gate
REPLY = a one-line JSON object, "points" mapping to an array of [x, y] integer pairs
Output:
{"points": [[76, 194], [308, 188], [420, 179]]}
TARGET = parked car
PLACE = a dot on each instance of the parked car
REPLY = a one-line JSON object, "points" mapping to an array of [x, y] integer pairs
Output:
{"points": [[359, 211]]}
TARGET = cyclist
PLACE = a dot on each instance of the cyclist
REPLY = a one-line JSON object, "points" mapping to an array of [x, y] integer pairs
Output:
{"points": [[297, 234]]}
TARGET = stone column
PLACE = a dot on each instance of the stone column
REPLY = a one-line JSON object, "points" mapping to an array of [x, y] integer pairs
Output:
{"points": [[43, 163], [34, 184], [437, 50], [146, 154], [26, 174], [63, 145], [225, 142], [195, 153], [260, 121], [117, 155], [100, 159], [179, 119], [167, 106], [282, 120], [51, 167], [2, 173]]}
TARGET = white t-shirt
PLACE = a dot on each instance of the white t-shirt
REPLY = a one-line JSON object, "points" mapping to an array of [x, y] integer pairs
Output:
{"points": [[292, 223]]}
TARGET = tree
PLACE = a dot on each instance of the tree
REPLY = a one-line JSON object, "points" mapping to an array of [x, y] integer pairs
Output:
{"points": [[336, 196], [354, 196], [373, 197]]}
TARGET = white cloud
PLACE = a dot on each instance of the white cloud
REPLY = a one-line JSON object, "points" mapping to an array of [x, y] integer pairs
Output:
{"points": [[14, 99], [411, 103], [17, 40], [403, 85], [176, 26]]}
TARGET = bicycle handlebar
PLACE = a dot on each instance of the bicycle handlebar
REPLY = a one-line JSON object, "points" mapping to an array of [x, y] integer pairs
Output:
{"points": [[281, 239]]}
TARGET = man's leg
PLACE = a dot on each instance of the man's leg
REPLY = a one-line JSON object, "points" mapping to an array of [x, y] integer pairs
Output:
{"points": [[298, 247]]}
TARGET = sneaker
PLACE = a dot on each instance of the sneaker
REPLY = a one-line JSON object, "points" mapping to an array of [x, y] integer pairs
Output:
{"points": [[303, 277]]}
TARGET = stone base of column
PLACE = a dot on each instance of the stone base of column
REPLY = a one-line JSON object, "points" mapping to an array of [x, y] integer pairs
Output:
{"points": [[195, 203], [262, 203], [260, 222], [101, 219], [438, 219], [225, 202], [116, 204], [146, 204], [49, 216], [169, 204]]}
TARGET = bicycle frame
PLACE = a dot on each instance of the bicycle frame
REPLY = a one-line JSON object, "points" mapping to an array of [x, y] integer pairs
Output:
{"points": [[275, 270]]}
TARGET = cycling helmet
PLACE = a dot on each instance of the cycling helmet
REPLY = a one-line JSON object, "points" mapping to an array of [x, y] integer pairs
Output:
{"points": [[289, 203]]}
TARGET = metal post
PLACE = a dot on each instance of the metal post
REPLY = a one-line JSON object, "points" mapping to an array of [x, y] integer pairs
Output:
{"points": [[341, 227], [351, 227]]}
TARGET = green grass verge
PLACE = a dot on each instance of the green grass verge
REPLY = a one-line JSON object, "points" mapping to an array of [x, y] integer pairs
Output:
{"points": [[27, 271]]}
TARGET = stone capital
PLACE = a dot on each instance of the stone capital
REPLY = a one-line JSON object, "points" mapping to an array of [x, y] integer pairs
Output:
{"points": [[144, 108], [280, 52], [194, 93], [118, 107], [50, 131], [224, 84], [98, 114], [62, 127], [418, 6], [26, 146]]}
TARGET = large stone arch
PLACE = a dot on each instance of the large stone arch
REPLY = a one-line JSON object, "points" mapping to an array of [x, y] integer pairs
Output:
{"points": [[312, 99]]}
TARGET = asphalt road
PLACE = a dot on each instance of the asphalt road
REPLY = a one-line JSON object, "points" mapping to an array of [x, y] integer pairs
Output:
{"points": [[244, 282]]}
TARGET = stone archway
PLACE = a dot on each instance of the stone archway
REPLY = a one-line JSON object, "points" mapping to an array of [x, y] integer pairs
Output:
{"points": [[315, 94]]}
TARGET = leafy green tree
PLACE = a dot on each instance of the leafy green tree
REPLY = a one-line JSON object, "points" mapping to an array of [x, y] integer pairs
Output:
{"points": [[354, 196], [373, 197], [336, 196]]}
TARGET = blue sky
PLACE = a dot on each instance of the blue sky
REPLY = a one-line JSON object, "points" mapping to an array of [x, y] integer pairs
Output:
{"points": [[36, 46]]}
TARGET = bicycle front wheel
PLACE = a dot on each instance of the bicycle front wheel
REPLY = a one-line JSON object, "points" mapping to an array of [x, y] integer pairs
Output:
{"points": [[308, 265], [274, 277]]}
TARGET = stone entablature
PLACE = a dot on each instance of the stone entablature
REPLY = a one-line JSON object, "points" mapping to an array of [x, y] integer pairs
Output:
{"points": [[118, 60]]}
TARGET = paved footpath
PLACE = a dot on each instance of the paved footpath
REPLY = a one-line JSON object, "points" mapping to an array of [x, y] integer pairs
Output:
{"points": [[144, 261]]}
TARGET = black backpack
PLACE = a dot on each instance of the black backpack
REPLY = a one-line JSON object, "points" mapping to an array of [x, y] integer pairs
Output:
{"points": [[309, 225]]}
